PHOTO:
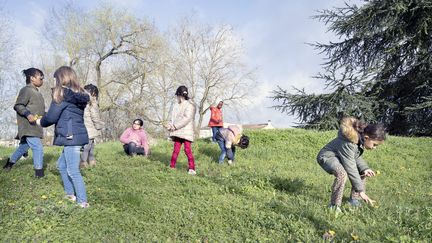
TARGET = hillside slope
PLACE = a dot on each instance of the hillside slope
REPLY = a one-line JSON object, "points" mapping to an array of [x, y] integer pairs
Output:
{"points": [[275, 192]]}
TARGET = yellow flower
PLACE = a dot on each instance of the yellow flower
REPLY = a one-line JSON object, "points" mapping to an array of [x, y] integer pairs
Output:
{"points": [[44, 197], [355, 237], [378, 172], [332, 233]]}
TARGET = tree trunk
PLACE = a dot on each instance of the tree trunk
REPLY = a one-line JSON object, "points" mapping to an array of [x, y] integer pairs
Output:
{"points": [[98, 75]]}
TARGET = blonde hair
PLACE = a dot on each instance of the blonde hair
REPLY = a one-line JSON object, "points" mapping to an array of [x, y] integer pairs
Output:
{"points": [[65, 77]]}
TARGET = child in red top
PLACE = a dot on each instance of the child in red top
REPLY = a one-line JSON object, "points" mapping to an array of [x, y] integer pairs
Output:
{"points": [[216, 121], [135, 140]]}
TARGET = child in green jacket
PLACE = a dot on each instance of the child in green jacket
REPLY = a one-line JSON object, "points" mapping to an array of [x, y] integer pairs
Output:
{"points": [[29, 107], [342, 158]]}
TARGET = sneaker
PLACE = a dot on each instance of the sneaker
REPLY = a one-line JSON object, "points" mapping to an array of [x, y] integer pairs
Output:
{"points": [[8, 165], [354, 202], [335, 208], [191, 172], [230, 162], [71, 198], [39, 173], [84, 205]]}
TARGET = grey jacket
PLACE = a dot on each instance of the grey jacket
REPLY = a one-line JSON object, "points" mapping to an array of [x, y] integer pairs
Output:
{"points": [[183, 119], [29, 101], [92, 119], [347, 148]]}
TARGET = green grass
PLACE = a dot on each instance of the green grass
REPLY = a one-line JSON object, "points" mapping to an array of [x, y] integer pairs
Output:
{"points": [[275, 192]]}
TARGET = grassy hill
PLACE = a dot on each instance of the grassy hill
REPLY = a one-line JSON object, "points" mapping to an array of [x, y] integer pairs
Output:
{"points": [[275, 192]]}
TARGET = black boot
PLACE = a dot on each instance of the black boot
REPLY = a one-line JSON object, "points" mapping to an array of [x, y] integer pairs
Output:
{"points": [[39, 173], [8, 165]]}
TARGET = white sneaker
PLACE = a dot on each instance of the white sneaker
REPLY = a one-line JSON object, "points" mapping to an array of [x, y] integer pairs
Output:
{"points": [[71, 198], [230, 162], [84, 205], [191, 172]]}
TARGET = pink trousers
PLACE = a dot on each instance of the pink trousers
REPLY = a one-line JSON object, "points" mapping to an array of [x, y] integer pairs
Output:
{"points": [[188, 151]]}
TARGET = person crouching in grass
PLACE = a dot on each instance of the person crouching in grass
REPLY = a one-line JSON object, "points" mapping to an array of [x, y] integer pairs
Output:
{"points": [[134, 139], [341, 157], [227, 139]]}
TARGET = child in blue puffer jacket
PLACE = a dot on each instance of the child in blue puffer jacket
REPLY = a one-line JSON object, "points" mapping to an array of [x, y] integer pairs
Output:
{"points": [[66, 112]]}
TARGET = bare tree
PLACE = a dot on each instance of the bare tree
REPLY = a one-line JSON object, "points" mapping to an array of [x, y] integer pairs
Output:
{"points": [[210, 64], [8, 76], [111, 48]]}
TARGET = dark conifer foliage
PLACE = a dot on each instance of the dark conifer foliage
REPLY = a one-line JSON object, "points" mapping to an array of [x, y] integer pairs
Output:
{"points": [[380, 70]]}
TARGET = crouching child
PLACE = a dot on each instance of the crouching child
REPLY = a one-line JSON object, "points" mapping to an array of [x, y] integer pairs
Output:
{"points": [[227, 139]]}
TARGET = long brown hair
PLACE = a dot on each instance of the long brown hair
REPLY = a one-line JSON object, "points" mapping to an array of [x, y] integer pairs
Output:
{"points": [[65, 77], [373, 131]]}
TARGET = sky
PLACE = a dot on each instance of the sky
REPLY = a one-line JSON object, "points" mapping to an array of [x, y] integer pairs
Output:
{"points": [[275, 34]]}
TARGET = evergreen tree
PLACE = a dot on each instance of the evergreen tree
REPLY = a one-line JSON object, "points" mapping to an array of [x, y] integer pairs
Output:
{"points": [[380, 70]]}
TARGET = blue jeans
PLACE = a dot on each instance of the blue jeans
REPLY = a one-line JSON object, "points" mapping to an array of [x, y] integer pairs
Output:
{"points": [[215, 130], [221, 142], [132, 148], [35, 144], [68, 165], [231, 153]]}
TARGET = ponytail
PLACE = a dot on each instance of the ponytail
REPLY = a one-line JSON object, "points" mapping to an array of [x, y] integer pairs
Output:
{"points": [[31, 72]]}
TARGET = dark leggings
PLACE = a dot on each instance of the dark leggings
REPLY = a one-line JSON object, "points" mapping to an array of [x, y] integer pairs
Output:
{"points": [[131, 149]]}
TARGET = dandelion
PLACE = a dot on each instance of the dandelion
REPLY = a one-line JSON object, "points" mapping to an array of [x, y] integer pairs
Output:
{"points": [[44, 197], [378, 172], [329, 235], [355, 237]]}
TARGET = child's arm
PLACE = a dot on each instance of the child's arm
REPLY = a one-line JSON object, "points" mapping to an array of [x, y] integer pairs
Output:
{"points": [[52, 116], [190, 114], [363, 167], [21, 104], [347, 156], [95, 117], [124, 138], [144, 142]]}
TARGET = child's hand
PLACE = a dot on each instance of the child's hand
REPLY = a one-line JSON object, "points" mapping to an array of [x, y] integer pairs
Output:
{"points": [[169, 127], [369, 173], [31, 118], [367, 199], [166, 125]]}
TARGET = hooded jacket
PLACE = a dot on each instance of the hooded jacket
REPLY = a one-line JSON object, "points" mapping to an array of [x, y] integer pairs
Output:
{"points": [[68, 117], [29, 101], [183, 119], [348, 148], [92, 119], [231, 135]]}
